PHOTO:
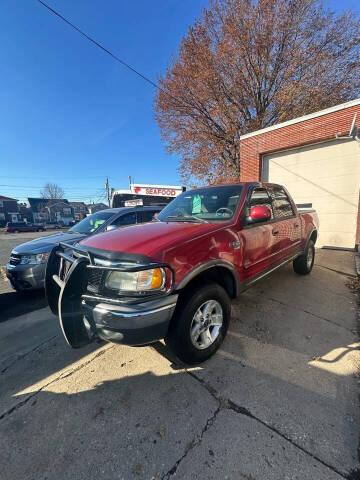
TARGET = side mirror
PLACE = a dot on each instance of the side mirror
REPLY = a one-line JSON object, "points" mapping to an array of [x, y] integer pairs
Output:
{"points": [[260, 213], [110, 227]]}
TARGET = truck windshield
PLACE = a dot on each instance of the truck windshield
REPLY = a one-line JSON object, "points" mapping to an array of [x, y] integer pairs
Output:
{"points": [[212, 204], [91, 223]]}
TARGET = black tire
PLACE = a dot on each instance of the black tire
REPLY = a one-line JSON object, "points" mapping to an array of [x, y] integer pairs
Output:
{"points": [[179, 338], [16, 231], [303, 264]]}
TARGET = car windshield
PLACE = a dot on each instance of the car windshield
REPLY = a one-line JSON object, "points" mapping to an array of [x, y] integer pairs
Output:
{"points": [[215, 204], [91, 223]]}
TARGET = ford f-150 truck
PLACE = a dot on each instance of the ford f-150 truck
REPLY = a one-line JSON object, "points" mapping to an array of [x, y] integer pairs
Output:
{"points": [[174, 278]]}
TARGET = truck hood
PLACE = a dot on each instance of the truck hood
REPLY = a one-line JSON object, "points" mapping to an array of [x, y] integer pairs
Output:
{"points": [[150, 239], [45, 244]]}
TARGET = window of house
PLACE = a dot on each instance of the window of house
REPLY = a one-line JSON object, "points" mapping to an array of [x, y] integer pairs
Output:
{"points": [[2, 216], [281, 204], [67, 211], [1, 203]]}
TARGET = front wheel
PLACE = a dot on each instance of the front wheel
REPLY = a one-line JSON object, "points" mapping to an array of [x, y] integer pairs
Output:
{"points": [[200, 323], [305, 262]]}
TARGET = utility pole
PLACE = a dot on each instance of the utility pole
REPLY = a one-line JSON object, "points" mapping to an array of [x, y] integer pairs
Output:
{"points": [[107, 188]]}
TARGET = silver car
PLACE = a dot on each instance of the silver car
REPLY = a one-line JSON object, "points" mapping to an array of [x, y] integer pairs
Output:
{"points": [[26, 267]]}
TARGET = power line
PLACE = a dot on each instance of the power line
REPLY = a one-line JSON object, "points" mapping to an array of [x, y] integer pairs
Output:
{"points": [[115, 57], [47, 178], [33, 187]]}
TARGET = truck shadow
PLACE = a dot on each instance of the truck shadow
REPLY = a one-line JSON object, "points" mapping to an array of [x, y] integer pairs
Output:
{"points": [[13, 304]]}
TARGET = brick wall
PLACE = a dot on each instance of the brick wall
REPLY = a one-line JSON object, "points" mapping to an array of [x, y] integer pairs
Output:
{"points": [[324, 127]]}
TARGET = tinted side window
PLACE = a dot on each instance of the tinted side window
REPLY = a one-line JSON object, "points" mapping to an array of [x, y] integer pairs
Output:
{"points": [[260, 197], [281, 203], [145, 215], [127, 219]]}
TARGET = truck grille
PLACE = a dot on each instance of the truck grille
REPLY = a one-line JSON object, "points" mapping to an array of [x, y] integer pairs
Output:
{"points": [[15, 259], [94, 280]]}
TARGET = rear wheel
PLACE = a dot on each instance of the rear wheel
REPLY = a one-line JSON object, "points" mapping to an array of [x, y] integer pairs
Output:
{"points": [[305, 262], [200, 323], [16, 231]]}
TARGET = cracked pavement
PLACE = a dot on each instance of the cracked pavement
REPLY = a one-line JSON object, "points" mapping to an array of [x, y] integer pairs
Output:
{"points": [[278, 401]]}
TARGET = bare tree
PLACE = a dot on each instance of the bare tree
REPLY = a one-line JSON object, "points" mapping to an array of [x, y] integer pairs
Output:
{"points": [[248, 64], [52, 191]]}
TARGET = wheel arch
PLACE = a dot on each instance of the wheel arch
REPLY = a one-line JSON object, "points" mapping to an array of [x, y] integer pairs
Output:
{"points": [[313, 235], [217, 271]]}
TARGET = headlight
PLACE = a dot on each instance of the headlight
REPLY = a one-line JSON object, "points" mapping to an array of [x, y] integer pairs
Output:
{"points": [[34, 259], [153, 279]]}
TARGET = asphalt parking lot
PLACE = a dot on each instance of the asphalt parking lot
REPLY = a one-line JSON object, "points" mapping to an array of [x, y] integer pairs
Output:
{"points": [[278, 401], [12, 303]]}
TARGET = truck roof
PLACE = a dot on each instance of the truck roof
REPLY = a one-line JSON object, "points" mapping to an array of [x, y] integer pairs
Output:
{"points": [[261, 184]]}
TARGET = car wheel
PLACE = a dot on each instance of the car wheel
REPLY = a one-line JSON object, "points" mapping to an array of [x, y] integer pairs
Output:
{"points": [[305, 262], [16, 231], [199, 324]]}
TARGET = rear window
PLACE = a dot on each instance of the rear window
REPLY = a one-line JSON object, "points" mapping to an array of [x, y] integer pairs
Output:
{"points": [[281, 204]]}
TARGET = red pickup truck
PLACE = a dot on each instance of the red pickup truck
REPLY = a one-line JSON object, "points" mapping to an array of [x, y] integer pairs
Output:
{"points": [[175, 277]]}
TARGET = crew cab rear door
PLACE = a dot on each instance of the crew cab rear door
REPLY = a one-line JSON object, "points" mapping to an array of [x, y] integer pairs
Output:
{"points": [[257, 238], [286, 228]]}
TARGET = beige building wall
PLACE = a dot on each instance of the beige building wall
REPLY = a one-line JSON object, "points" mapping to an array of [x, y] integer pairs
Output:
{"points": [[328, 176]]}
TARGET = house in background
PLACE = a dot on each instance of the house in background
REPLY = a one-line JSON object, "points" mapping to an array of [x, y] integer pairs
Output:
{"points": [[317, 158], [80, 210], [48, 210], [9, 210], [26, 213], [96, 207]]}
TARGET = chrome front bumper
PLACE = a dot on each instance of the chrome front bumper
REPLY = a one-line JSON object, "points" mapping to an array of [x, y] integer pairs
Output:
{"points": [[136, 324]]}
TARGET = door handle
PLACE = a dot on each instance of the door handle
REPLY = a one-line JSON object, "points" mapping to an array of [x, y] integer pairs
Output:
{"points": [[275, 232]]}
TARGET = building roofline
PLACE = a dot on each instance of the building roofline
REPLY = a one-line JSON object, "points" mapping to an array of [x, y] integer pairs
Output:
{"points": [[319, 113], [2, 197]]}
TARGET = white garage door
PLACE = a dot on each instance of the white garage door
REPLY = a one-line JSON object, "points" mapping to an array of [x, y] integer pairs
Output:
{"points": [[326, 175]]}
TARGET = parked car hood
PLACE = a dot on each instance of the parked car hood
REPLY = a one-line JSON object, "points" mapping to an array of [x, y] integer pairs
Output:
{"points": [[45, 244], [150, 239]]}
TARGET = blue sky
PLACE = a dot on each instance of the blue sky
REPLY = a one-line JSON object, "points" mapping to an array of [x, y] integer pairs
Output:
{"points": [[72, 115]]}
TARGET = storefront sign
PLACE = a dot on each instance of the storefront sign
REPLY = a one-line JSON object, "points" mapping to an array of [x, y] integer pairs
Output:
{"points": [[156, 190]]}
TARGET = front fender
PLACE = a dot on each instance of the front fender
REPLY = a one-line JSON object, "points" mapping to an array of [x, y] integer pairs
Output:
{"points": [[203, 267]]}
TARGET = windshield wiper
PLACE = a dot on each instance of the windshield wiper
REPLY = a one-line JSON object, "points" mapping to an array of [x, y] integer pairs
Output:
{"points": [[187, 218]]}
